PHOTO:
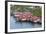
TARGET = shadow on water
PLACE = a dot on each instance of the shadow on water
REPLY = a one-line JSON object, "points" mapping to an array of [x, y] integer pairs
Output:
{"points": [[20, 25]]}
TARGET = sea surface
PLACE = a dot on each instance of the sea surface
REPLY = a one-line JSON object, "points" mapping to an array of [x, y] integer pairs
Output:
{"points": [[20, 25]]}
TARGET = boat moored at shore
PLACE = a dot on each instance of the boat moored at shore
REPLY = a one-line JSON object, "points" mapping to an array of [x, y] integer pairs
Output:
{"points": [[27, 16]]}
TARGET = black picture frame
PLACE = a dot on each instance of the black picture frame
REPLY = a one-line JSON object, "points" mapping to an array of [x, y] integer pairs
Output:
{"points": [[6, 28]]}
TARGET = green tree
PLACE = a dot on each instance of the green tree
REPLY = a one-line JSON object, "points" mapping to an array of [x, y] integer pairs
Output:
{"points": [[37, 11]]}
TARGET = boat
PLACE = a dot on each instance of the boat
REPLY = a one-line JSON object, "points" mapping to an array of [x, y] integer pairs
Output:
{"points": [[27, 16]]}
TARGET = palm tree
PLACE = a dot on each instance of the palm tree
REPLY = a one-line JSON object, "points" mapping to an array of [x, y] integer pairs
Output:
{"points": [[20, 8], [36, 10]]}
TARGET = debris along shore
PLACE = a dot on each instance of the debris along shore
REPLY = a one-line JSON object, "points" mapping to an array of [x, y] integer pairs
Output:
{"points": [[27, 16]]}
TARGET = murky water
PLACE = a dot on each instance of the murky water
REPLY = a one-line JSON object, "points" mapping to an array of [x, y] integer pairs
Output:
{"points": [[21, 25]]}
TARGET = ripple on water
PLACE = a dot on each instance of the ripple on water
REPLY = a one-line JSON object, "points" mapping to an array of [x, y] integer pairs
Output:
{"points": [[19, 25]]}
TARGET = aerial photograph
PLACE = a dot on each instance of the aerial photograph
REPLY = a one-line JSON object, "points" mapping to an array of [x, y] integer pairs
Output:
{"points": [[25, 16]]}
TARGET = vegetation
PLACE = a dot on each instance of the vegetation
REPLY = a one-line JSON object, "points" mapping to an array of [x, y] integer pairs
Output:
{"points": [[36, 10]]}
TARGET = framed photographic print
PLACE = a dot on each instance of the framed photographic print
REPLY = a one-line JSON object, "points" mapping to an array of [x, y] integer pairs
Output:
{"points": [[25, 16]]}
